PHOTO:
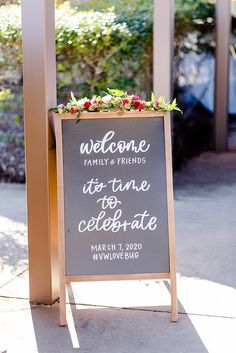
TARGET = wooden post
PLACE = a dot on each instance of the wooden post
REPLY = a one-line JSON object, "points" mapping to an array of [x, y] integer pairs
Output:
{"points": [[163, 38], [39, 68], [223, 24]]}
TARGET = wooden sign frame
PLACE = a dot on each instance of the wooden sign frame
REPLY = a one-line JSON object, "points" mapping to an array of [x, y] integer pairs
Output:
{"points": [[57, 121]]}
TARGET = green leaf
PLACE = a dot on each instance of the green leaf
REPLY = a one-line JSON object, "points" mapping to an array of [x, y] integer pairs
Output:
{"points": [[54, 109], [161, 100], [73, 99], [174, 101], [179, 110], [116, 92], [153, 98], [17, 119]]}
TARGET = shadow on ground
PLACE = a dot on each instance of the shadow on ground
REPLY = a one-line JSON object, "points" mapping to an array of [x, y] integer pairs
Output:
{"points": [[114, 331]]}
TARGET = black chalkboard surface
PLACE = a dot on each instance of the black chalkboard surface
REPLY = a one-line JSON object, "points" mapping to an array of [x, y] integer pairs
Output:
{"points": [[115, 199], [115, 196]]}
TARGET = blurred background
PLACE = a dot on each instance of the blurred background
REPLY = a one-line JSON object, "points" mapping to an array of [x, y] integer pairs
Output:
{"points": [[108, 43]]}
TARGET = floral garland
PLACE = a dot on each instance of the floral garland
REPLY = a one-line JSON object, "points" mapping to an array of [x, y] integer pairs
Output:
{"points": [[114, 100]]}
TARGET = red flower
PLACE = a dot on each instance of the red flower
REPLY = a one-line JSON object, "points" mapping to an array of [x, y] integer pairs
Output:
{"points": [[125, 101], [100, 102], [135, 98], [139, 105], [73, 110], [157, 104], [87, 104]]}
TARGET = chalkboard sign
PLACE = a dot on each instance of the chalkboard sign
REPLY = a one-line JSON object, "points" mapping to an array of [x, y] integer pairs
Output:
{"points": [[115, 198]]}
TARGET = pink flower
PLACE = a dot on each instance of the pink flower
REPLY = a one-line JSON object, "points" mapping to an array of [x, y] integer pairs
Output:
{"points": [[73, 110], [61, 106], [157, 104], [135, 98], [125, 101], [87, 104]]}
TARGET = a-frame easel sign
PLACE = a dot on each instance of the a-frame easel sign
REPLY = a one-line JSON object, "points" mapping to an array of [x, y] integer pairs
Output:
{"points": [[115, 199]]}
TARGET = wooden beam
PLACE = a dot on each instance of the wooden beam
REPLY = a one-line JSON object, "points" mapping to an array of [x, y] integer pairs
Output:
{"points": [[39, 69], [163, 39], [223, 28]]}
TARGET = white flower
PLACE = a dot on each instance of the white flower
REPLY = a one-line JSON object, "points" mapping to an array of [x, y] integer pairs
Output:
{"points": [[80, 102], [107, 99]]}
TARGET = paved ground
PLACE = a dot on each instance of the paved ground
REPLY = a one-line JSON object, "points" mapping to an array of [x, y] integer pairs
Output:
{"points": [[133, 317]]}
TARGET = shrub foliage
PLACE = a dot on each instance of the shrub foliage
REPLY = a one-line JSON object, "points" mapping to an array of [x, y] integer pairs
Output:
{"points": [[109, 47]]}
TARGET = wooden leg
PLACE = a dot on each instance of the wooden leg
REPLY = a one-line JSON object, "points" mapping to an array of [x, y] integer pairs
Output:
{"points": [[61, 227], [170, 207], [63, 321], [174, 303]]}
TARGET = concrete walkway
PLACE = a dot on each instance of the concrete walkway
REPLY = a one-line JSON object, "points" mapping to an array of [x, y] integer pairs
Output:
{"points": [[133, 316]]}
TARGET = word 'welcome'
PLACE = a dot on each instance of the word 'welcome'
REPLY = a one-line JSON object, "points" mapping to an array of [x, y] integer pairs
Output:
{"points": [[106, 145]]}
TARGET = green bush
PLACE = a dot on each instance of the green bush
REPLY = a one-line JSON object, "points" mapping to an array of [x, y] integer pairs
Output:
{"points": [[111, 47], [10, 45], [96, 50]]}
